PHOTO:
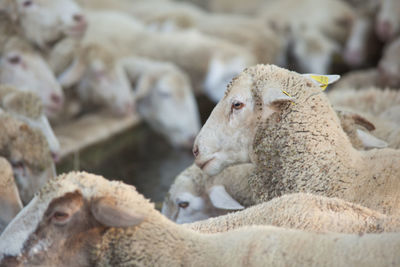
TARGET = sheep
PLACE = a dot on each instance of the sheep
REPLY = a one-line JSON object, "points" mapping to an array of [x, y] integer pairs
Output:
{"points": [[28, 152], [10, 202], [28, 107], [371, 100], [310, 51], [247, 32], [100, 79], [307, 212], [23, 67], [195, 196], [388, 23], [295, 139], [104, 76], [362, 47], [214, 61], [63, 18], [162, 92], [80, 219]]}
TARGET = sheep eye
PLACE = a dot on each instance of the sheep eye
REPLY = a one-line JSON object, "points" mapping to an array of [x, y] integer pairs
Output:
{"points": [[183, 204], [17, 164], [14, 60], [59, 216], [237, 105], [27, 3]]}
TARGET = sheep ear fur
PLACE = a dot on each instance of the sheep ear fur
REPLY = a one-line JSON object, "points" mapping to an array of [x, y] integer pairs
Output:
{"points": [[222, 200], [322, 80], [109, 213], [273, 96], [360, 120], [72, 74], [370, 141], [143, 86]]}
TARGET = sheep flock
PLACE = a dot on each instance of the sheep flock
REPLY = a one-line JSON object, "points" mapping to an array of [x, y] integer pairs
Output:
{"points": [[289, 111]]}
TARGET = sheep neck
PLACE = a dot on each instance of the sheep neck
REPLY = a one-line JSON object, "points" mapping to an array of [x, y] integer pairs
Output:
{"points": [[155, 242], [302, 148]]}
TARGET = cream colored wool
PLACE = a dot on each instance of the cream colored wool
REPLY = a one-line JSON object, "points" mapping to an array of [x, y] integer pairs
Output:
{"points": [[372, 100], [304, 212], [174, 47], [152, 240], [316, 156], [10, 203], [241, 30]]}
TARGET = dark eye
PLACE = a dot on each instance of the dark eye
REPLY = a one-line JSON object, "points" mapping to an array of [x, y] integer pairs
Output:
{"points": [[60, 217], [27, 3], [183, 204], [14, 60], [17, 164], [237, 105]]}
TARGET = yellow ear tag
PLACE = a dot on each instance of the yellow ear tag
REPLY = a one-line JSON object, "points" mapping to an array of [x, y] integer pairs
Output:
{"points": [[323, 80], [286, 93]]}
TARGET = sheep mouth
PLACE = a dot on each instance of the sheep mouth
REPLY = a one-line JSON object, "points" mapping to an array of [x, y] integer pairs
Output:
{"points": [[203, 165]]}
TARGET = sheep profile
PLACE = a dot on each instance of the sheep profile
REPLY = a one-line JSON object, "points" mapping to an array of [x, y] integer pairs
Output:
{"points": [[284, 124]]}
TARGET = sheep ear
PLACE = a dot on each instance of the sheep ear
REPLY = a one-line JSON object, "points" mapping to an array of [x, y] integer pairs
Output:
{"points": [[360, 120], [72, 74], [143, 86], [322, 80], [222, 200], [370, 141], [276, 96], [109, 213]]}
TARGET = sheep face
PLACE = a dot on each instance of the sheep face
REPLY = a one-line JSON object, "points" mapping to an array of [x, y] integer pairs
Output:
{"points": [[356, 49], [220, 72], [388, 22], [108, 86], [185, 207], [101, 81], [46, 21], [389, 65], [167, 103], [65, 222], [68, 226], [226, 137], [313, 52], [29, 72], [29, 178]]}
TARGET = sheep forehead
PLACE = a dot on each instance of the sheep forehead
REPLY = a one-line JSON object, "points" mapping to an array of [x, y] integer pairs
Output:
{"points": [[91, 186]]}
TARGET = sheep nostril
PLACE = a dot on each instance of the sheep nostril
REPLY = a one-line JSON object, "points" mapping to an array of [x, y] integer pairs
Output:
{"points": [[56, 98], [196, 151]]}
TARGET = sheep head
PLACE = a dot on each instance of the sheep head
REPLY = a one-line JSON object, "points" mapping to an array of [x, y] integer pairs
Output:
{"points": [[251, 98], [70, 213], [26, 69]]}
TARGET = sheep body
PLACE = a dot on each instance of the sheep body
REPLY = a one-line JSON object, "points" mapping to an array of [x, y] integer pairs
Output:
{"points": [[125, 229], [305, 212]]}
